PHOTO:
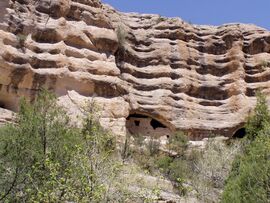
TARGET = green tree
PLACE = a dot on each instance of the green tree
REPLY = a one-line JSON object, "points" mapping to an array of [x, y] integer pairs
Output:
{"points": [[44, 159], [249, 180], [259, 119]]}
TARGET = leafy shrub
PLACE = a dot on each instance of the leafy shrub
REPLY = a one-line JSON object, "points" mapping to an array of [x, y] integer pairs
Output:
{"points": [[21, 40], [259, 119], [210, 168], [44, 159], [264, 64], [160, 19], [249, 180], [121, 36], [153, 147], [163, 163], [125, 149], [178, 143], [179, 169]]}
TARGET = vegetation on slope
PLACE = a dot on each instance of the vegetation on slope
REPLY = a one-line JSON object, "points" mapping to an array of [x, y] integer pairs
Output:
{"points": [[241, 167], [199, 173], [249, 180], [44, 159]]}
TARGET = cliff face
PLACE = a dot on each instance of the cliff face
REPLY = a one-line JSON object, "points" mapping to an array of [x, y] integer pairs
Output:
{"points": [[147, 73]]}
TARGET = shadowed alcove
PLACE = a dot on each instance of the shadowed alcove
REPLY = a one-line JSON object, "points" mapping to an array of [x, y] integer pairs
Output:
{"points": [[2, 105], [145, 125], [240, 133]]}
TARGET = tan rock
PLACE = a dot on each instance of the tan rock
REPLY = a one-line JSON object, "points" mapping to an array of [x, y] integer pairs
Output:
{"points": [[199, 79], [6, 116]]}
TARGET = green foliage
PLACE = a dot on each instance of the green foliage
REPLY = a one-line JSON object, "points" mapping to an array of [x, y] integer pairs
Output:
{"points": [[121, 35], [211, 166], [174, 168], [44, 159], [264, 64], [178, 143], [249, 180], [160, 19], [178, 169], [153, 147], [144, 152], [125, 150], [163, 162], [259, 119], [139, 140], [21, 39], [203, 172]]}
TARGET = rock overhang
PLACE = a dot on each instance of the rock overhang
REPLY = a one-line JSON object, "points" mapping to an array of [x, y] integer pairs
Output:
{"points": [[199, 79]]}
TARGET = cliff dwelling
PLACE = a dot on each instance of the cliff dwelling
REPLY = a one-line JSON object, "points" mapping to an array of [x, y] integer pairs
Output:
{"points": [[192, 75], [138, 124]]}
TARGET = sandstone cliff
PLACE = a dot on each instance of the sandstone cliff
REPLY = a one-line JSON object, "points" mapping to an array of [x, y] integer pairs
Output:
{"points": [[147, 73]]}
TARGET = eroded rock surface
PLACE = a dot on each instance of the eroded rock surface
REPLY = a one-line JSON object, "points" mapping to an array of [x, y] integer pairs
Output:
{"points": [[6, 116], [200, 79]]}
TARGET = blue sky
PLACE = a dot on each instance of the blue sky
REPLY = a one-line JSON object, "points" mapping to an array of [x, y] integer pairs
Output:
{"points": [[213, 12]]}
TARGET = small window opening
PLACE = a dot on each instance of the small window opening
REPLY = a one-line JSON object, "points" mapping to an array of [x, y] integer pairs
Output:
{"points": [[240, 133], [137, 123], [156, 124]]}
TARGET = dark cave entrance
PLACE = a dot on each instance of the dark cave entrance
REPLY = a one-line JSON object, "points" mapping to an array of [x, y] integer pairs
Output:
{"points": [[156, 124], [2, 105], [140, 124], [240, 133]]}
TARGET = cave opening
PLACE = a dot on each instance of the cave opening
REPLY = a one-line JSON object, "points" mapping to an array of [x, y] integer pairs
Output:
{"points": [[2, 105], [140, 124], [240, 133], [156, 124]]}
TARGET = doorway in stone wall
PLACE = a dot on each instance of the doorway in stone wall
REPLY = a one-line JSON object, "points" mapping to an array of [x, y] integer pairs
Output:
{"points": [[140, 124]]}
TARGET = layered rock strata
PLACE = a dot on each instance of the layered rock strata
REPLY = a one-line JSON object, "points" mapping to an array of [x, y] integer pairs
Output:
{"points": [[137, 68]]}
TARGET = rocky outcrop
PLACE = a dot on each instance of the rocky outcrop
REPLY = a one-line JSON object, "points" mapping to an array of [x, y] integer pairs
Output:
{"points": [[200, 79], [6, 116]]}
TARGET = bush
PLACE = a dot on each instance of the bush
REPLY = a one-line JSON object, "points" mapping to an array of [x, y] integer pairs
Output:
{"points": [[259, 119], [21, 38], [163, 163], [150, 158], [249, 180], [125, 149], [121, 36], [178, 143], [44, 159], [264, 64], [160, 19], [210, 168], [153, 147], [179, 169]]}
